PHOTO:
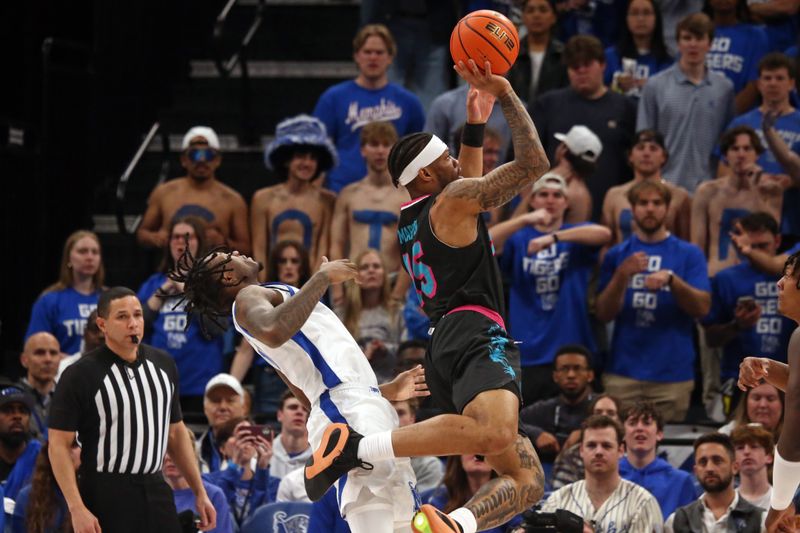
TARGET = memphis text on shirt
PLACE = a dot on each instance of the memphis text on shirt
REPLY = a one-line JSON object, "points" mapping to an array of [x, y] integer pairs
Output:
{"points": [[385, 111]]}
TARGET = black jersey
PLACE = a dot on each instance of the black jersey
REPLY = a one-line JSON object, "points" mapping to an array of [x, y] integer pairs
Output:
{"points": [[446, 277]]}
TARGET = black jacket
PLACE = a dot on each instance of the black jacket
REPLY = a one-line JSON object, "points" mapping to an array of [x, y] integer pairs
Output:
{"points": [[553, 74]]}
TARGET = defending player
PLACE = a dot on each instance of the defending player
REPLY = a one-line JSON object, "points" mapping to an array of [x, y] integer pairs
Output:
{"points": [[786, 472], [320, 361], [472, 366]]}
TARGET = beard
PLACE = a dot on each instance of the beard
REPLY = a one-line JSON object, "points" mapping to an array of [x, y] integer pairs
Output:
{"points": [[653, 225], [13, 439], [718, 485], [573, 394]]}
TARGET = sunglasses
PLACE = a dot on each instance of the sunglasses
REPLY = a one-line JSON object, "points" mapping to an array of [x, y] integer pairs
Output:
{"points": [[196, 155]]}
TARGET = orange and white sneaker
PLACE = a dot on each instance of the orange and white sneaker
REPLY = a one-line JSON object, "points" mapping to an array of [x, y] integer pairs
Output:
{"points": [[336, 455], [429, 519]]}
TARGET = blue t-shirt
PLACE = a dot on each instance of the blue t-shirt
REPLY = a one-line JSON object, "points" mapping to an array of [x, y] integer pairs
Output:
{"points": [[787, 126], [346, 107], [184, 499], [769, 337], [548, 293], [652, 335], [646, 65], [198, 359], [736, 51], [63, 313]]}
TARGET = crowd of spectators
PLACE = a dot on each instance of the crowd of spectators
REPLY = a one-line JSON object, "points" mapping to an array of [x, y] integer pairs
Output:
{"points": [[643, 264]]}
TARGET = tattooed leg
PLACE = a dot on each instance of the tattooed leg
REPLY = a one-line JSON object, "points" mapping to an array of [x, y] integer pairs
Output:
{"points": [[519, 487]]}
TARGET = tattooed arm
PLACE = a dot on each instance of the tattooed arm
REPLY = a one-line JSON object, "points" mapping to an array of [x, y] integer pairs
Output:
{"points": [[471, 196], [275, 324]]}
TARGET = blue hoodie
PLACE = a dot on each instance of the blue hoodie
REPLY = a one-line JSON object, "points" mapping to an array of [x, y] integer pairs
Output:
{"points": [[672, 488]]}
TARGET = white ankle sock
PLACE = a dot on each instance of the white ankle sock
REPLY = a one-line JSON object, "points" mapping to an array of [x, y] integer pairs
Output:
{"points": [[376, 447], [465, 519], [785, 477]]}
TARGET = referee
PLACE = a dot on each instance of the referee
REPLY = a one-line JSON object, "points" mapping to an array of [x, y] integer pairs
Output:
{"points": [[122, 400]]}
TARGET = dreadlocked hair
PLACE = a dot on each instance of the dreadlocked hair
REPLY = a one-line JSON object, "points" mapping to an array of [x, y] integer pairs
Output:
{"points": [[202, 287]]}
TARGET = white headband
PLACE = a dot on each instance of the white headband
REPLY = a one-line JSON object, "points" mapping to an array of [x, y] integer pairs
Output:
{"points": [[432, 151]]}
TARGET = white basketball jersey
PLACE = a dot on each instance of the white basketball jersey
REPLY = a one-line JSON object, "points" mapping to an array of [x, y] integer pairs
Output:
{"points": [[320, 356]]}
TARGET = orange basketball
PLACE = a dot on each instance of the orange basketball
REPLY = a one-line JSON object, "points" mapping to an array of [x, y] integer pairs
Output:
{"points": [[485, 35]]}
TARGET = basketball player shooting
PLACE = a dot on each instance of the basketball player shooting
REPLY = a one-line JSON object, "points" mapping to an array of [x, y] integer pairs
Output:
{"points": [[312, 351], [754, 370], [472, 366]]}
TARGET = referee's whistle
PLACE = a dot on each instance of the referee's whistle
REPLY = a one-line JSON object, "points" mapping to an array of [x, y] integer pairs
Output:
{"points": [[135, 339]]}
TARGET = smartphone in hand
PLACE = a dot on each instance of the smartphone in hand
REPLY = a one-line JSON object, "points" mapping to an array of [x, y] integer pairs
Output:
{"points": [[257, 430]]}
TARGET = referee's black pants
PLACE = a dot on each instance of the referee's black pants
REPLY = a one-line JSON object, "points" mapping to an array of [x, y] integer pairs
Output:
{"points": [[132, 503]]}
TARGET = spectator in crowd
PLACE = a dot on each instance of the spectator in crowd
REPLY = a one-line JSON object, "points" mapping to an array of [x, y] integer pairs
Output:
{"points": [[689, 105], [600, 19], [647, 157], [568, 466], [761, 260], [744, 317], [367, 211], [198, 354], [549, 264], [290, 447], [464, 475], [40, 506], [754, 447], [422, 30], [295, 209], [223, 400], [604, 500], [347, 107], [40, 358], [411, 353], [549, 422], [644, 429], [719, 203], [371, 316], [762, 404], [776, 77], [448, 114], [198, 193], [575, 162], [288, 263], [720, 508], [539, 67], [653, 286], [184, 499], [672, 12], [92, 339], [18, 448], [64, 306], [736, 49], [640, 52], [244, 480], [777, 19], [588, 101], [790, 162], [427, 468]]}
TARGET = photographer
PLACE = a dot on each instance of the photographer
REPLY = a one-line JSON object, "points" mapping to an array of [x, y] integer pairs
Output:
{"points": [[604, 500]]}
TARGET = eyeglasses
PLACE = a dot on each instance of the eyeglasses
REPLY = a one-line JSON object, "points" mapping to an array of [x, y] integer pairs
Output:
{"points": [[197, 155], [292, 260]]}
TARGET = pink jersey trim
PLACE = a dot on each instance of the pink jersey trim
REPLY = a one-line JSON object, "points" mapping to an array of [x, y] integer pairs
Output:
{"points": [[494, 316], [414, 201]]}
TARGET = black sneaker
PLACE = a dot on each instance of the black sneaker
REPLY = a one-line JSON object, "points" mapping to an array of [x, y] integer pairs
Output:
{"points": [[337, 455]]}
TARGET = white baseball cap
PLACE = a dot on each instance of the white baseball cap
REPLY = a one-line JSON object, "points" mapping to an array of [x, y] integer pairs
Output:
{"points": [[582, 142], [225, 380], [201, 131], [550, 180]]}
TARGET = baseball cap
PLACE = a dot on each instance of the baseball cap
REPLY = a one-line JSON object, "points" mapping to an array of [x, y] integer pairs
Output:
{"points": [[225, 380], [201, 131], [582, 142], [12, 394], [550, 180]]}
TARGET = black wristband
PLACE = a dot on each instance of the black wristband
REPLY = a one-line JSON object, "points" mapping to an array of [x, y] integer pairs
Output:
{"points": [[472, 135], [555, 237]]}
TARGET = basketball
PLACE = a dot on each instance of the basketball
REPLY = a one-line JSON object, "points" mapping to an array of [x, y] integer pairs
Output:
{"points": [[485, 35]]}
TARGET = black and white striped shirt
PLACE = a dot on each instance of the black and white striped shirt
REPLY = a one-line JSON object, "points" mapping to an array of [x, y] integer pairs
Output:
{"points": [[121, 411]]}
